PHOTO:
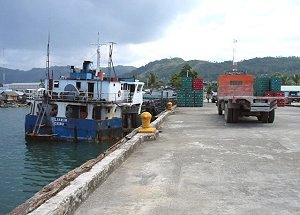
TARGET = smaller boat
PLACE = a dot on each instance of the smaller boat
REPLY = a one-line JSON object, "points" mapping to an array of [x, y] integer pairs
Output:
{"points": [[86, 106]]}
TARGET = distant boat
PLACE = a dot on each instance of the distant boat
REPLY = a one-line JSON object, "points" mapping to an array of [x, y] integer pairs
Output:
{"points": [[86, 106]]}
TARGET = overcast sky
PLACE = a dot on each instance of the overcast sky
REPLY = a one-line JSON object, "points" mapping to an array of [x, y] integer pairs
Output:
{"points": [[145, 30]]}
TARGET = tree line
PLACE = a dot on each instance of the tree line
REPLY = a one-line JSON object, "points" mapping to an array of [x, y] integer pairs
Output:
{"points": [[152, 80]]}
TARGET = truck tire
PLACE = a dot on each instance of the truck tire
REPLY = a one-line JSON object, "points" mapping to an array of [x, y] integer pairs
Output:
{"points": [[220, 111], [265, 117], [228, 114], [259, 117], [235, 115], [271, 116]]}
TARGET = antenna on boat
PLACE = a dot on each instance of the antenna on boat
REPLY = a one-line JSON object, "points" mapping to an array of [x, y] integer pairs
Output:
{"points": [[110, 61], [98, 44], [48, 57]]}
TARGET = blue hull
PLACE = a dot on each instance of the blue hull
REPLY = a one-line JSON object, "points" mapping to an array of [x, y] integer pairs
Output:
{"points": [[68, 129]]}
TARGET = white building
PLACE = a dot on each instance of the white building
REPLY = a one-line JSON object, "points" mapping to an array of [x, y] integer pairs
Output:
{"points": [[4, 88], [22, 86], [288, 90]]}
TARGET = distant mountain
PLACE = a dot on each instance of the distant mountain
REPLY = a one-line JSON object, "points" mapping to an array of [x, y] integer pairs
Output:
{"points": [[36, 74], [210, 70], [164, 69]]}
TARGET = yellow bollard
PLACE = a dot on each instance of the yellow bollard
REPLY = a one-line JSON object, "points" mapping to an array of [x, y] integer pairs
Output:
{"points": [[169, 105], [146, 127]]}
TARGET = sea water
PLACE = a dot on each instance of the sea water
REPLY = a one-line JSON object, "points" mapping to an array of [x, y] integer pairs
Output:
{"points": [[27, 167]]}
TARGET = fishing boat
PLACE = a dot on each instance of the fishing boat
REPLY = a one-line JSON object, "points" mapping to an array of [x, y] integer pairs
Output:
{"points": [[86, 106]]}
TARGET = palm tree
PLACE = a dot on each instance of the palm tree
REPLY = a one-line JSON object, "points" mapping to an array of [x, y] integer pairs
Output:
{"points": [[278, 75], [296, 79], [212, 86], [187, 70], [152, 80], [285, 80], [176, 80]]}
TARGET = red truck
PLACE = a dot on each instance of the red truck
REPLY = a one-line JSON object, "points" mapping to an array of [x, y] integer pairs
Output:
{"points": [[236, 98]]}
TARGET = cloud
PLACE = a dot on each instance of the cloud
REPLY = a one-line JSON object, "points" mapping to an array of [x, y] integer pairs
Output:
{"points": [[146, 30], [262, 28]]}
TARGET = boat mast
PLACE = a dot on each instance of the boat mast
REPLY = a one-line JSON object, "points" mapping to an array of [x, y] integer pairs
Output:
{"points": [[48, 58], [98, 44], [110, 62], [98, 56]]}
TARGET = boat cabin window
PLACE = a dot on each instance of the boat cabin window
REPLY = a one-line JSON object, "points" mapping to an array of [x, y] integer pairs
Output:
{"points": [[56, 84], [78, 85], [132, 88], [76, 111], [91, 89], [53, 110], [124, 87], [139, 88], [97, 113]]}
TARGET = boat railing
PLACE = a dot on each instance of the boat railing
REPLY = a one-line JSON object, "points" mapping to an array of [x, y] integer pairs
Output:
{"points": [[84, 96], [81, 96]]}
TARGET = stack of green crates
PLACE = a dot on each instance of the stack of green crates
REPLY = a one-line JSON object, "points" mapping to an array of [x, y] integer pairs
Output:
{"points": [[261, 85], [187, 83], [181, 98], [198, 98], [187, 97], [275, 84]]}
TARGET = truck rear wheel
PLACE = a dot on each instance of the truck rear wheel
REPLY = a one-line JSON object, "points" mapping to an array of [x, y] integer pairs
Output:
{"points": [[265, 117], [235, 115], [228, 114], [271, 116]]}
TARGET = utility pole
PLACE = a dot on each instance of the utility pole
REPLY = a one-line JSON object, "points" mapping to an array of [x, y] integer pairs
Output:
{"points": [[234, 64]]}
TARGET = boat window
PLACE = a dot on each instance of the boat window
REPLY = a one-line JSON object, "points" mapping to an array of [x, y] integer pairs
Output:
{"points": [[78, 85], [76, 111], [56, 84], [53, 111], [91, 89], [97, 113], [139, 88], [72, 111], [121, 86], [132, 88], [83, 112]]}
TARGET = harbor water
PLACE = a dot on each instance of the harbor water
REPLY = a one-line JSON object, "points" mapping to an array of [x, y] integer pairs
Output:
{"points": [[27, 167]]}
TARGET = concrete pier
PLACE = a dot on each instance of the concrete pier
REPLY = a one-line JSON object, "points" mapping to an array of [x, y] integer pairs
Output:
{"points": [[201, 165]]}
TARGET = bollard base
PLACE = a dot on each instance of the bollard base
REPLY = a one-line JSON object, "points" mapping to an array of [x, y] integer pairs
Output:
{"points": [[147, 130]]}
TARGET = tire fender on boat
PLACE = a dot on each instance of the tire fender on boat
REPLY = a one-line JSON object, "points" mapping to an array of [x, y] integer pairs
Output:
{"points": [[83, 115], [119, 93]]}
